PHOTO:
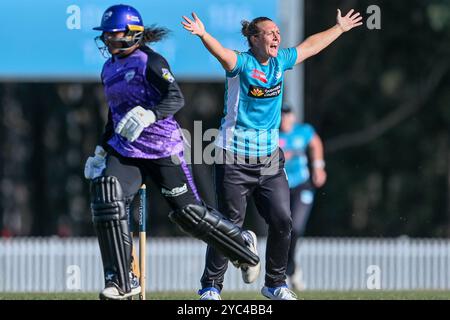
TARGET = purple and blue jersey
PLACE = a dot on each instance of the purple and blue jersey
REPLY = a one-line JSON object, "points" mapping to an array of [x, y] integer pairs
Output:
{"points": [[143, 78]]}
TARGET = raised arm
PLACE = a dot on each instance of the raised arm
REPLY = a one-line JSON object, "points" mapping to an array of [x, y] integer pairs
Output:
{"points": [[319, 41], [225, 56]]}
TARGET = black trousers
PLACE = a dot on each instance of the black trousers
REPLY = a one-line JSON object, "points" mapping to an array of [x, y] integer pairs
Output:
{"points": [[302, 199], [266, 182], [170, 174]]}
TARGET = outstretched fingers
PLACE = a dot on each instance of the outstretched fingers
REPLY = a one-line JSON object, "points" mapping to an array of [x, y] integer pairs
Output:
{"points": [[194, 26], [187, 20], [356, 15], [351, 20], [189, 25], [194, 15], [356, 21]]}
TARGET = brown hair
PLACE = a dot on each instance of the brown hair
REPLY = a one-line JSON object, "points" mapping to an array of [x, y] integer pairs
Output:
{"points": [[250, 29]]}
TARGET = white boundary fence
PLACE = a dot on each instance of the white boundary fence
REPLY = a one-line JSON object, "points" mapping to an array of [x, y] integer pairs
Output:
{"points": [[176, 264]]}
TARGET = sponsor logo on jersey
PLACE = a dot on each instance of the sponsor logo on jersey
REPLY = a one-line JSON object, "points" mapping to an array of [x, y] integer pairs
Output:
{"points": [[175, 192], [129, 75], [167, 75], [262, 93], [278, 74], [259, 75]]}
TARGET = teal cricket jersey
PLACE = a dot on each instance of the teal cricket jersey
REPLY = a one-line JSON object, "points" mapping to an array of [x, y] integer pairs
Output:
{"points": [[296, 142], [253, 97]]}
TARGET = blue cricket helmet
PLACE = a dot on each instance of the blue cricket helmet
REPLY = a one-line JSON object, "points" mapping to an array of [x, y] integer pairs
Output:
{"points": [[121, 17]]}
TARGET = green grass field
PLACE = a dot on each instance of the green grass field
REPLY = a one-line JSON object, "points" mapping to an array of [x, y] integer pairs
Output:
{"points": [[305, 295]]}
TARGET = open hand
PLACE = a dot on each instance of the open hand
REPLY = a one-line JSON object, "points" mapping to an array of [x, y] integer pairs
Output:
{"points": [[349, 21], [195, 27]]}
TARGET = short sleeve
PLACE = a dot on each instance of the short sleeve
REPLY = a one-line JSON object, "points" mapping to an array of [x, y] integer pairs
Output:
{"points": [[288, 57], [240, 63], [308, 132]]}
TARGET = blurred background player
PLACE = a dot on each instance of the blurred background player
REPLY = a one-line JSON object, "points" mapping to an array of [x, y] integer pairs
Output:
{"points": [[300, 142], [249, 130], [142, 139]]}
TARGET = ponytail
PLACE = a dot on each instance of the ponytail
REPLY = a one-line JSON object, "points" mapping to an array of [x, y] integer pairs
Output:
{"points": [[154, 34]]}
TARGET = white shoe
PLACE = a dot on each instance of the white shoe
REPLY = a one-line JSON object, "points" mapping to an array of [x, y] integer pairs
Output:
{"points": [[209, 294], [250, 273], [112, 291], [279, 293]]}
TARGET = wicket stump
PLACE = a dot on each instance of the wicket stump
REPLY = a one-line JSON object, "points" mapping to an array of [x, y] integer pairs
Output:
{"points": [[142, 238], [139, 269]]}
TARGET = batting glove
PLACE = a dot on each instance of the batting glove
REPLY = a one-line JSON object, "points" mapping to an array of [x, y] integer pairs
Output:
{"points": [[95, 165], [134, 122]]}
